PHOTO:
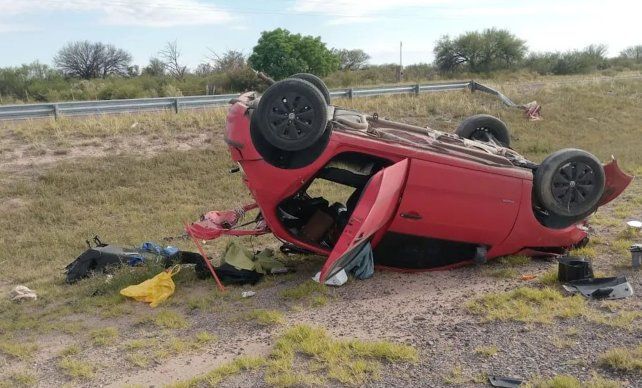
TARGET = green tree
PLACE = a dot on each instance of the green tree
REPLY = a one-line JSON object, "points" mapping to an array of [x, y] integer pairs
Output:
{"points": [[155, 68], [491, 49], [280, 54], [351, 59]]}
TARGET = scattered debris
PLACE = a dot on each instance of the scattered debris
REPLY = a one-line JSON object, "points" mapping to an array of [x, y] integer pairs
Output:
{"points": [[528, 277], [20, 293], [99, 258], [154, 290], [636, 255], [339, 279], [247, 294], [504, 382], [635, 224], [574, 268], [601, 288], [152, 247]]}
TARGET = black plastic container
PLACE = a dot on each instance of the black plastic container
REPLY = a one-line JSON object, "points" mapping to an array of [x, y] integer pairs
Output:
{"points": [[574, 268]]}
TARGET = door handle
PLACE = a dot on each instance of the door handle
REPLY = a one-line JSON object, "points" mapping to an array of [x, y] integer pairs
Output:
{"points": [[411, 215]]}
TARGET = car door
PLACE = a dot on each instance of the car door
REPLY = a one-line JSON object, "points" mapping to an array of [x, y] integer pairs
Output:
{"points": [[457, 203], [374, 210]]}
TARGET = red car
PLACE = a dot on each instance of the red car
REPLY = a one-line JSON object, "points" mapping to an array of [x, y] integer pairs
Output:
{"points": [[424, 199]]}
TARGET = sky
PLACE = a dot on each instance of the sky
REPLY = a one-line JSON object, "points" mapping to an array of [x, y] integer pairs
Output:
{"points": [[35, 29]]}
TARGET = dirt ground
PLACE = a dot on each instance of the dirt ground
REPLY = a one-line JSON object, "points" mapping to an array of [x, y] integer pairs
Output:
{"points": [[429, 311]]}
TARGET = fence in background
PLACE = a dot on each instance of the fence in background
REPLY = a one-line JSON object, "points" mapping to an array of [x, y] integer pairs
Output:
{"points": [[80, 108]]}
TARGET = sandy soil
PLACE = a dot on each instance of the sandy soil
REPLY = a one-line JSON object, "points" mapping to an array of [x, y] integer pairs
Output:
{"points": [[20, 158]]}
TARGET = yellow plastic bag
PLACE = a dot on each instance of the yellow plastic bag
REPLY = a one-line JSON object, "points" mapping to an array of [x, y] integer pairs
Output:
{"points": [[154, 290]]}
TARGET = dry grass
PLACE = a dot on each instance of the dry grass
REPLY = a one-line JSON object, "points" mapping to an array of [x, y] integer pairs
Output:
{"points": [[528, 304], [60, 132], [217, 375], [623, 359], [306, 355], [305, 290], [104, 336], [566, 381], [266, 317], [18, 380], [77, 369], [19, 350], [487, 351], [543, 305], [170, 319]]}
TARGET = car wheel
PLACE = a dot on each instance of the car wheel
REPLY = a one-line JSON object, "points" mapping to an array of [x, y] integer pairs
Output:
{"points": [[292, 114], [484, 128], [316, 81], [569, 183]]}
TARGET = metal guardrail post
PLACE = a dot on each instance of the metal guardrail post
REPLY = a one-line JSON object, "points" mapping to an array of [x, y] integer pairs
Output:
{"points": [[350, 93], [176, 105], [55, 111], [417, 89]]}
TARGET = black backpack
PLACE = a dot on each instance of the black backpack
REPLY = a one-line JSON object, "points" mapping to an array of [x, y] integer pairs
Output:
{"points": [[99, 259]]}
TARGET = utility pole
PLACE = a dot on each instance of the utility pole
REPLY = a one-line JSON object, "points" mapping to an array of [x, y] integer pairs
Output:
{"points": [[400, 75]]}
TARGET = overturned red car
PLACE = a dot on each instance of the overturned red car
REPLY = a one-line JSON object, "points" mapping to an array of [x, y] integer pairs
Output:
{"points": [[328, 180]]}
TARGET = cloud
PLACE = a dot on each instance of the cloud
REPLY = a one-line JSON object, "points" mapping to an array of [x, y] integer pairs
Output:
{"points": [[362, 11], [143, 13], [357, 11]]}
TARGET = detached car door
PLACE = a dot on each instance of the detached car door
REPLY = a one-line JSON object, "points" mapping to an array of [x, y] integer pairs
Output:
{"points": [[376, 207]]}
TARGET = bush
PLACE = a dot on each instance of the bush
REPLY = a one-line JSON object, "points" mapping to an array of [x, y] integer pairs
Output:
{"points": [[117, 92], [583, 61]]}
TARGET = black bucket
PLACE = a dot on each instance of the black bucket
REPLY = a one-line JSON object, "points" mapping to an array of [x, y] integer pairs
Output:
{"points": [[574, 268]]}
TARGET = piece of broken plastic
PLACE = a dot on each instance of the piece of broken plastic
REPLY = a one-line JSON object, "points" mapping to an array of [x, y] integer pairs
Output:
{"points": [[339, 279], [635, 224], [504, 382], [601, 288]]}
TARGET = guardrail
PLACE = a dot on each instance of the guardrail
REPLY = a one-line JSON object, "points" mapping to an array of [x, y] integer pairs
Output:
{"points": [[82, 108]]}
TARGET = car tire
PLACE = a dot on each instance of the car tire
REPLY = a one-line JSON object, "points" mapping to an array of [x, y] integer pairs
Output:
{"points": [[316, 81], [569, 183], [484, 128], [292, 114]]}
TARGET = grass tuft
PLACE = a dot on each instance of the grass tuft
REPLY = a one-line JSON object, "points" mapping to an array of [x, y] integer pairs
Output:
{"points": [[304, 290], [104, 336], [528, 304], [18, 380], [566, 381], [76, 369], [267, 317], [306, 355], [623, 359], [487, 351], [21, 351], [549, 278], [217, 375], [203, 337], [455, 376], [70, 350], [170, 319]]}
